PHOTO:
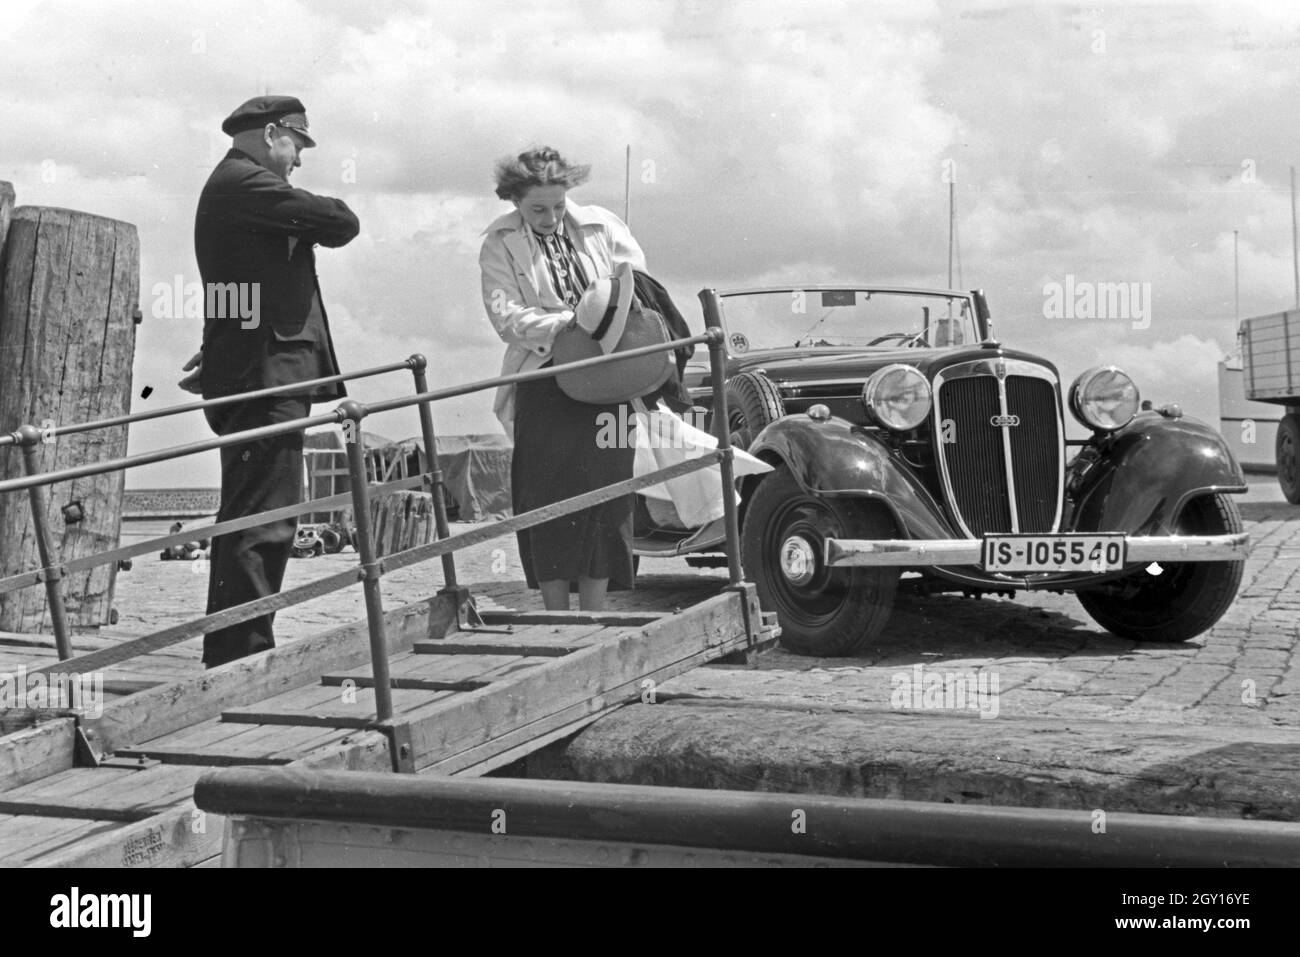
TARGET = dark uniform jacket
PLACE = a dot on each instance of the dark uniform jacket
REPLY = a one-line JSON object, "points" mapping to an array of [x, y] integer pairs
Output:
{"points": [[254, 227]]}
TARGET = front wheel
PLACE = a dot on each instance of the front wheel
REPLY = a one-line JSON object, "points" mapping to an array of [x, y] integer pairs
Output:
{"points": [[1287, 448], [822, 611], [1184, 599]]}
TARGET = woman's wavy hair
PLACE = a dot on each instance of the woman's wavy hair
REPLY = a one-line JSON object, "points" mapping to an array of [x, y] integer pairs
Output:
{"points": [[540, 166]]}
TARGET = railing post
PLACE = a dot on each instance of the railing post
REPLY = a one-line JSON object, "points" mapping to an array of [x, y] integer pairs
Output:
{"points": [[717, 374], [29, 437], [418, 365], [351, 413]]}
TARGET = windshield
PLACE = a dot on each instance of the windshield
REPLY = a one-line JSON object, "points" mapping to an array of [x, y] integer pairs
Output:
{"points": [[853, 318]]}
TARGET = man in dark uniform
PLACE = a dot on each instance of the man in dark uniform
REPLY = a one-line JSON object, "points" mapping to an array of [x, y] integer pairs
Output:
{"points": [[264, 325]]}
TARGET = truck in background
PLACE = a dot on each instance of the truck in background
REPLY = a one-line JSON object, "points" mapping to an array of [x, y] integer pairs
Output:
{"points": [[1270, 355]]}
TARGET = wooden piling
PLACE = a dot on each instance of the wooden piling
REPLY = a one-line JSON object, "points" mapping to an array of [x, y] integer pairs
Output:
{"points": [[6, 211], [69, 301]]}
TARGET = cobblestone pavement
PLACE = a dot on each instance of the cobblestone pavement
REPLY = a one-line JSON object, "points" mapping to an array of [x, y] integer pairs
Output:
{"points": [[1049, 659]]}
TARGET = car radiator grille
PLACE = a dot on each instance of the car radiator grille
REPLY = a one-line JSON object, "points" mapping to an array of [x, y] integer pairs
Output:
{"points": [[974, 460]]}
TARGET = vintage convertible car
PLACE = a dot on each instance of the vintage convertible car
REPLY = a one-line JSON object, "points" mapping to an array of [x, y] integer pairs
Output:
{"points": [[908, 442]]}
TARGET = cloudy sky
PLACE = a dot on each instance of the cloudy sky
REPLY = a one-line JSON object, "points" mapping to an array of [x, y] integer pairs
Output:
{"points": [[777, 142]]}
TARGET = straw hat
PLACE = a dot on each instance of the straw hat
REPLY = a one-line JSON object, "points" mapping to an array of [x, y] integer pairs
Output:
{"points": [[607, 320]]}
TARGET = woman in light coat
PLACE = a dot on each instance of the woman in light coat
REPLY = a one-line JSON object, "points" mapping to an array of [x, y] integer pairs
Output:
{"points": [[536, 261]]}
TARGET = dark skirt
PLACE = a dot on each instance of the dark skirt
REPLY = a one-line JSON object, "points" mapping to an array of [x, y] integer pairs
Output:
{"points": [[557, 455]]}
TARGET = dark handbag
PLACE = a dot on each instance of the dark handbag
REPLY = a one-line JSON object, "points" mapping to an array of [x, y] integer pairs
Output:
{"points": [[616, 381]]}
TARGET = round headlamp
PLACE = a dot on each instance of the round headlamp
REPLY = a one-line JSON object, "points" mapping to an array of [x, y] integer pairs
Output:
{"points": [[897, 396], [1104, 398]]}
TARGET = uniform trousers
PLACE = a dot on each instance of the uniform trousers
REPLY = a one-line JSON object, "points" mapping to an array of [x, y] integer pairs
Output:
{"points": [[255, 477]]}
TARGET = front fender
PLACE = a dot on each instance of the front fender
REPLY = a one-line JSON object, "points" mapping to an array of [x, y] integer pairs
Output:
{"points": [[835, 457], [1139, 479]]}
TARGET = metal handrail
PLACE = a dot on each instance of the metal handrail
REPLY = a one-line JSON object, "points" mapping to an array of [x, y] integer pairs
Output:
{"points": [[11, 438], [371, 569], [880, 830], [410, 556], [339, 415], [24, 579]]}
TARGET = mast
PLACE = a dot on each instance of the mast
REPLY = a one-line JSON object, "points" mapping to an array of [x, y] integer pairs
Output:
{"points": [[951, 227], [627, 186], [1236, 283], [1295, 253]]}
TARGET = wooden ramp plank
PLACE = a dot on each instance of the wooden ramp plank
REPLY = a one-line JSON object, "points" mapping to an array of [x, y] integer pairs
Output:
{"points": [[622, 619], [255, 744], [322, 706], [65, 784], [211, 733], [542, 640], [508, 648]]}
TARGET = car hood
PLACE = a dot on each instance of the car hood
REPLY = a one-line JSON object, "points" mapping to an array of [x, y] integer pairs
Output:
{"points": [[789, 368]]}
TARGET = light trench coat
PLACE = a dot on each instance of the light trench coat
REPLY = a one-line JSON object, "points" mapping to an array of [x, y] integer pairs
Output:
{"points": [[517, 292]]}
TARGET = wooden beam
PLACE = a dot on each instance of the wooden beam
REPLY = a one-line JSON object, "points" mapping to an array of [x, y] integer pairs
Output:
{"points": [[404, 683], [34, 753], [126, 686], [204, 758], [628, 619], [302, 719], [492, 648], [83, 810]]}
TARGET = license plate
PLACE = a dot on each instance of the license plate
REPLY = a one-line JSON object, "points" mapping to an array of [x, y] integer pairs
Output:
{"points": [[1053, 553]]}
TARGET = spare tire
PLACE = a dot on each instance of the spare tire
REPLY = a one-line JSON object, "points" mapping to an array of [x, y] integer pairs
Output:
{"points": [[753, 403]]}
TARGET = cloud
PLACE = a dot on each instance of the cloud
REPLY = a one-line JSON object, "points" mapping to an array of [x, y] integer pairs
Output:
{"points": [[772, 141]]}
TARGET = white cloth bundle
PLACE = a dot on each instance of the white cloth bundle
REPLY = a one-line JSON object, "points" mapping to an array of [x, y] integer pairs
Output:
{"points": [[664, 439]]}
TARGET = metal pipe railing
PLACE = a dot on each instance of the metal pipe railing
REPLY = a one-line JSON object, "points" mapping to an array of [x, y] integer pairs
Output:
{"points": [[435, 475], [50, 571], [878, 830], [350, 414], [11, 438], [26, 579], [411, 556], [722, 430]]}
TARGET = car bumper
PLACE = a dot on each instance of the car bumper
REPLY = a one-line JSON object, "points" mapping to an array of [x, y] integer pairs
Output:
{"points": [[1139, 549]]}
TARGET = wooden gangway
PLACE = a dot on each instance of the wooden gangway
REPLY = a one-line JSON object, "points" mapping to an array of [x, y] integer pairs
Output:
{"points": [[116, 790], [433, 687]]}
